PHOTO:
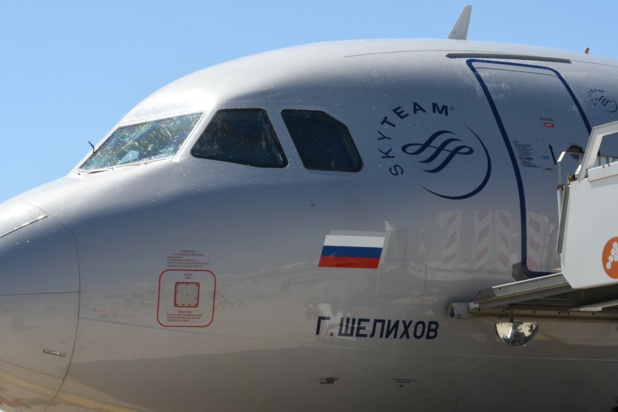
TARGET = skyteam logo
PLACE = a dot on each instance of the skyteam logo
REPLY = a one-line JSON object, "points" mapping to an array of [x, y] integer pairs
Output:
{"points": [[445, 157], [435, 146], [444, 148], [602, 100]]}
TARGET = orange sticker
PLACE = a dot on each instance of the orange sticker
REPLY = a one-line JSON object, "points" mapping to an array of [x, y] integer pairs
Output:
{"points": [[610, 258]]}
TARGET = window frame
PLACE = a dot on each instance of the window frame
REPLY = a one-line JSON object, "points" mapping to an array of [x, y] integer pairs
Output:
{"points": [[350, 143], [107, 141], [273, 132]]}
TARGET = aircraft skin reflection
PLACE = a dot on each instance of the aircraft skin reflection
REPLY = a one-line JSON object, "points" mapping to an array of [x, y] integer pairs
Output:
{"points": [[170, 275]]}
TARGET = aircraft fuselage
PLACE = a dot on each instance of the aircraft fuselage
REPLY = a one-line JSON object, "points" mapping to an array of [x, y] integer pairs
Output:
{"points": [[303, 278]]}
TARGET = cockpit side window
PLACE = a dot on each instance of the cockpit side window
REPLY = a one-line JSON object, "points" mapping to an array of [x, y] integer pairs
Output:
{"points": [[323, 142], [243, 136]]}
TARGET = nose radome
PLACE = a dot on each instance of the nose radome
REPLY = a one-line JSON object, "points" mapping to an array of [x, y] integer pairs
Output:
{"points": [[39, 300]]}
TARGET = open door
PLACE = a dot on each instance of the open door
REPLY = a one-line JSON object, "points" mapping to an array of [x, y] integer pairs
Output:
{"points": [[539, 117]]}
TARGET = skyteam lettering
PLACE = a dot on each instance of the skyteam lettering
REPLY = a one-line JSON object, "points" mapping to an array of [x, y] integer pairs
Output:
{"points": [[347, 327]]}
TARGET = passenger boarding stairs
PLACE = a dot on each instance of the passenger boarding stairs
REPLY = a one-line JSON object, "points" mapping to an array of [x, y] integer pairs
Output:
{"points": [[586, 286]]}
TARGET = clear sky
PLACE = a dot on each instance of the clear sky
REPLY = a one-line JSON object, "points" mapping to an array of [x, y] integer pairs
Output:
{"points": [[71, 69]]}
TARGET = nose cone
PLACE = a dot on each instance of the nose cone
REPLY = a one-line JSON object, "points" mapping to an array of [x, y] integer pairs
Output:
{"points": [[39, 299]]}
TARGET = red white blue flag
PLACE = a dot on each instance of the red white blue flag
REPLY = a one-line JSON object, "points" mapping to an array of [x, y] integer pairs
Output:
{"points": [[352, 251]]}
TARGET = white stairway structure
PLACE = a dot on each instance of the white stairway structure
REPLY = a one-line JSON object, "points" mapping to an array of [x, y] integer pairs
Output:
{"points": [[586, 286]]}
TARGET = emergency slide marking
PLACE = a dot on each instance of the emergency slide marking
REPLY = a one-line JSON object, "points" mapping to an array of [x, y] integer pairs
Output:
{"points": [[352, 251]]}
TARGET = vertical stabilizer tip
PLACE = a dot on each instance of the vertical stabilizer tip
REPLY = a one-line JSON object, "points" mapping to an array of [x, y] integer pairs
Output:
{"points": [[460, 29]]}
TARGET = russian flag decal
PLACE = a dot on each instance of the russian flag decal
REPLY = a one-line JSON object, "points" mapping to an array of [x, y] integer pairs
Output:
{"points": [[352, 250]]}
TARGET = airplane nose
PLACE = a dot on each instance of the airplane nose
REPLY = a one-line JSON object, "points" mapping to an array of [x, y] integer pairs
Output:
{"points": [[39, 300]]}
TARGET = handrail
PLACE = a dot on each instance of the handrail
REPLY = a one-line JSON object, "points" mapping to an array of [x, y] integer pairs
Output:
{"points": [[594, 144]]}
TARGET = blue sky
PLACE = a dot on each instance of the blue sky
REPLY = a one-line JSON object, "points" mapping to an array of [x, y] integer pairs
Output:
{"points": [[71, 69]]}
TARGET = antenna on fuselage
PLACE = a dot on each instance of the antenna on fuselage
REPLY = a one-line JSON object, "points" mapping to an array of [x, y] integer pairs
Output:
{"points": [[460, 29]]}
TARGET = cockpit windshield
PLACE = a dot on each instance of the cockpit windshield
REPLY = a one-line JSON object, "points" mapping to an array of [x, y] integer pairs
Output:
{"points": [[157, 139]]}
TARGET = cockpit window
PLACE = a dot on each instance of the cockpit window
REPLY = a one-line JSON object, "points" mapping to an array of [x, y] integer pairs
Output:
{"points": [[323, 142], [243, 136], [157, 139]]}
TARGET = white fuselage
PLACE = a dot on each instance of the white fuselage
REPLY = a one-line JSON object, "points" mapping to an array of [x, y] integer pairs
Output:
{"points": [[196, 284]]}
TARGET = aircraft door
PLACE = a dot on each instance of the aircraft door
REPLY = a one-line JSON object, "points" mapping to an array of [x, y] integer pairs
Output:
{"points": [[539, 117]]}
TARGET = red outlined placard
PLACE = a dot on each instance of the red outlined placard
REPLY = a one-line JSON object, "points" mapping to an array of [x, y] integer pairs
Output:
{"points": [[186, 298]]}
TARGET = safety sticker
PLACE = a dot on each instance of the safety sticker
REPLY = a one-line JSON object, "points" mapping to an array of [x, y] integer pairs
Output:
{"points": [[353, 250], [186, 298], [187, 259]]}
